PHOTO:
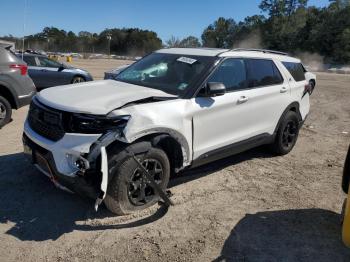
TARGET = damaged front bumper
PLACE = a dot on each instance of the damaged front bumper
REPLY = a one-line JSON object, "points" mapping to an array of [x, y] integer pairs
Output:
{"points": [[71, 163]]}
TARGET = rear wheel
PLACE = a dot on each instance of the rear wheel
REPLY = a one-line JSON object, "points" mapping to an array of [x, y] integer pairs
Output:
{"points": [[78, 79], [129, 190], [5, 111], [287, 134]]}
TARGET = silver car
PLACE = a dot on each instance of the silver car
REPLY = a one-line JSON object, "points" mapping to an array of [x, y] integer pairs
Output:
{"points": [[16, 87]]}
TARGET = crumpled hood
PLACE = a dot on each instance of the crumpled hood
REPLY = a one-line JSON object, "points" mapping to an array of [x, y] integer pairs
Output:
{"points": [[96, 97]]}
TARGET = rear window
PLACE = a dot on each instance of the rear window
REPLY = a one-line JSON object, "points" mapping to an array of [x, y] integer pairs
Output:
{"points": [[30, 60], [262, 72], [296, 70]]}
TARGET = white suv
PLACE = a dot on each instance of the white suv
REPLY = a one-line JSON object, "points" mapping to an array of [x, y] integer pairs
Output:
{"points": [[175, 108]]}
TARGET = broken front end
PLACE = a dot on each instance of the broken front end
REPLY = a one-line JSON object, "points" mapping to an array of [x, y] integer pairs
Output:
{"points": [[70, 148]]}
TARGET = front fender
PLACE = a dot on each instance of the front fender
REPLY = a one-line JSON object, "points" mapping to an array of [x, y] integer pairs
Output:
{"points": [[168, 131]]}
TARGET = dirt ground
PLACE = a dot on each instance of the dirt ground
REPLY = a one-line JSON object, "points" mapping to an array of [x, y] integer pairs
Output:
{"points": [[249, 207]]}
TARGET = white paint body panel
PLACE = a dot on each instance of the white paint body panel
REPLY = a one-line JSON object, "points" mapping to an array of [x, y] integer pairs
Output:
{"points": [[224, 120], [70, 144], [200, 124], [310, 76], [95, 97]]}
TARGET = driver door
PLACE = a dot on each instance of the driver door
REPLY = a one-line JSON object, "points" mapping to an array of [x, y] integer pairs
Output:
{"points": [[51, 75], [222, 120]]}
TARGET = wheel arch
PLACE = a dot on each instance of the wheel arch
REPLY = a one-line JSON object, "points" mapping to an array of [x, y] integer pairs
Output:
{"points": [[7, 93], [77, 75], [291, 107], [171, 142]]}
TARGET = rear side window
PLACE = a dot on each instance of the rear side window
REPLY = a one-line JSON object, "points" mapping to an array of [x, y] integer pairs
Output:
{"points": [[296, 70], [30, 60], [46, 62], [231, 72], [262, 72]]}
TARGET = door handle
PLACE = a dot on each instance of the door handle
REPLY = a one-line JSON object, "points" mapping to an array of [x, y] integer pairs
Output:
{"points": [[283, 89], [242, 99]]}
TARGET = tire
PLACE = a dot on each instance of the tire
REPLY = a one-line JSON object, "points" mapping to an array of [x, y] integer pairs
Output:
{"points": [[287, 134], [78, 79], [5, 111], [124, 190]]}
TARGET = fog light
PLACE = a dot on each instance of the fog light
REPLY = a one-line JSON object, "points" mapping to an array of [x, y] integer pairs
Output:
{"points": [[77, 163], [80, 164]]}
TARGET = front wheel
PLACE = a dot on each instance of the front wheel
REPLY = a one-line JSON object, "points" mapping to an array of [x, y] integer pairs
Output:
{"points": [[129, 190], [5, 111], [287, 134], [78, 79]]}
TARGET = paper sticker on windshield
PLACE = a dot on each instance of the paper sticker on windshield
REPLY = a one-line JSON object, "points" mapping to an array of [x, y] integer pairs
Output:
{"points": [[186, 60]]}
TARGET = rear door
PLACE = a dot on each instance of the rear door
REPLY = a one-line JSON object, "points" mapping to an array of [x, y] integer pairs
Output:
{"points": [[269, 95], [51, 75]]}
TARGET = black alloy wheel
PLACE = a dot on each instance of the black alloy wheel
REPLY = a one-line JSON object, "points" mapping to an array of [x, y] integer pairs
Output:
{"points": [[289, 134], [140, 192]]}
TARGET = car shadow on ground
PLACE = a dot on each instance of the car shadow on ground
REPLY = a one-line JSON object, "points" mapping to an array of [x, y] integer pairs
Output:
{"points": [[35, 210], [286, 235], [201, 171]]}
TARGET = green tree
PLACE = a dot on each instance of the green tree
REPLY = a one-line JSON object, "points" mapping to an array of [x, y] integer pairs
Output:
{"points": [[220, 34], [281, 7], [190, 41], [173, 42]]}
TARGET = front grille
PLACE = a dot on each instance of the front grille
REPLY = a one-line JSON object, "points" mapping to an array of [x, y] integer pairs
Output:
{"points": [[45, 121]]}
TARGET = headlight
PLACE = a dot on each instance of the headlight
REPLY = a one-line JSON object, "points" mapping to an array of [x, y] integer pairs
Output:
{"points": [[89, 124]]}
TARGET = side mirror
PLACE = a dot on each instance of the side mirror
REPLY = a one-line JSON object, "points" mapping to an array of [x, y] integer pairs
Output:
{"points": [[215, 89], [61, 68]]}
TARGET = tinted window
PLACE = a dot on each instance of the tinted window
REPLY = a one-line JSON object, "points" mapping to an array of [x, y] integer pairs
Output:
{"points": [[231, 72], [171, 73], [30, 60], [46, 62], [296, 70], [262, 73]]}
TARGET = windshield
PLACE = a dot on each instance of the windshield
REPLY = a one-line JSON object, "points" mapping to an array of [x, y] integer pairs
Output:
{"points": [[171, 73]]}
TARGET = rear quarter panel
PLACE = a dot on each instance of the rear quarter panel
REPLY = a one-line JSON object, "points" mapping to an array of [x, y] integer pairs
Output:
{"points": [[12, 79], [297, 91]]}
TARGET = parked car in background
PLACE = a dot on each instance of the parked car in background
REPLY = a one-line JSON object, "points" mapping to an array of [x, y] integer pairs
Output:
{"points": [[46, 72], [16, 87], [115, 72]]}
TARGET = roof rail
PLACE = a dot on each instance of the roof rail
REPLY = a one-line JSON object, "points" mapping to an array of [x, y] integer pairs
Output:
{"points": [[260, 50]]}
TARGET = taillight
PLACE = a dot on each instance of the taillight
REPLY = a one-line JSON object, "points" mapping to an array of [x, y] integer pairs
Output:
{"points": [[307, 89], [22, 68]]}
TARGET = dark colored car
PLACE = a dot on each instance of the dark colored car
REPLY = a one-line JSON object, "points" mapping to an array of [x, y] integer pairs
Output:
{"points": [[46, 72], [115, 72], [16, 87]]}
